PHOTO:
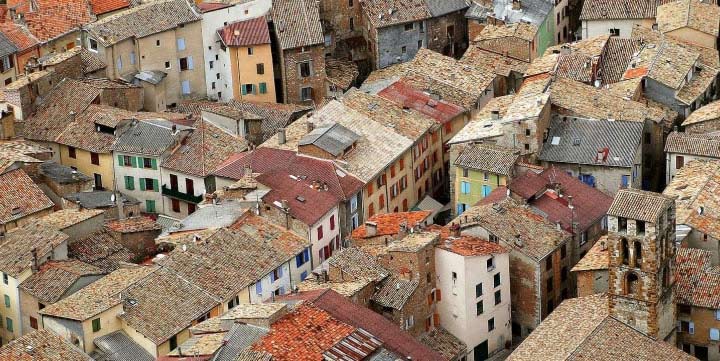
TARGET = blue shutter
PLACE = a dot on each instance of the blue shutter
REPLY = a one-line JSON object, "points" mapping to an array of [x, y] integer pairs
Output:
{"points": [[272, 277], [280, 274], [181, 44], [263, 88], [303, 276], [244, 91], [625, 181], [186, 87], [299, 260], [190, 63], [306, 253], [258, 288]]}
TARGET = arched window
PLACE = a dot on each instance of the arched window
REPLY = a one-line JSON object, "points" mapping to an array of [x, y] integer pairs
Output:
{"points": [[632, 284], [638, 254], [624, 251]]}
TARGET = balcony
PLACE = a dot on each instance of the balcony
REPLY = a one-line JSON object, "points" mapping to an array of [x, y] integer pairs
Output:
{"points": [[174, 193]]}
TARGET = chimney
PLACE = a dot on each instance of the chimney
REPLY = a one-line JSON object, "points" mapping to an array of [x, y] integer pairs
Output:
{"points": [[310, 126], [402, 231], [565, 50], [455, 230], [34, 267], [494, 114], [282, 137], [370, 228], [516, 5], [247, 171]]}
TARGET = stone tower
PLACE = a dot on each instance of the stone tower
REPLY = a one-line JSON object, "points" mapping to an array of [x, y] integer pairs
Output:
{"points": [[641, 240]]}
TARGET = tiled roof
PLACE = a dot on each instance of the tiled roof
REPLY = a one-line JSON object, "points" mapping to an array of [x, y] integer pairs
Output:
{"points": [[345, 288], [522, 31], [279, 238], [393, 339], [507, 220], [90, 62], [62, 174], [389, 223], [58, 109], [468, 246], [253, 310], [148, 137], [16, 249], [616, 56], [707, 56], [82, 133], [20, 197], [483, 125], [442, 7], [488, 157], [247, 32], [703, 114], [100, 7], [413, 242], [358, 264], [66, 218], [18, 35], [596, 259], [51, 19], [163, 304], [133, 225], [205, 149], [663, 61], [303, 335], [640, 205], [580, 329], [142, 20], [41, 345], [118, 346], [342, 73], [383, 13], [541, 192], [395, 292], [297, 23], [98, 296], [100, 249], [693, 14], [493, 62], [7, 47], [696, 283], [693, 144], [444, 342], [578, 141], [100, 199], [407, 96], [619, 9], [697, 186], [55, 279], [697, 86]]}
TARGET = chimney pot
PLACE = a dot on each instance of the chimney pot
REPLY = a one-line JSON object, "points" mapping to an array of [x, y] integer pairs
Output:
{"points": [[370, 228], [282, 137]]}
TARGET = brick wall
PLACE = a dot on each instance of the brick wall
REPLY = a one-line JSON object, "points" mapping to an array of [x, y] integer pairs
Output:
{"points": [[450, 43], [292, 81]]}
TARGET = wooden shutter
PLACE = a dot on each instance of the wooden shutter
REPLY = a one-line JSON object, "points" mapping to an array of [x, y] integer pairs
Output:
{"points": [[134, 162], [156, 186], [153, 162], [121, 160], [142, 184], [438, 295]]}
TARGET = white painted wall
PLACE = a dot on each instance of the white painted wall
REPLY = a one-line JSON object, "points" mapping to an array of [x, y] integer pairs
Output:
{"points": [[138, 173], [329, 235], [457, 306], [211, 22], [269, 286], [671, 163], [593, 28]]}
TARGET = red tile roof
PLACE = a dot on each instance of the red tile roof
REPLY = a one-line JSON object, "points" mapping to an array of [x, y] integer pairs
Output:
{"points": [[589, 203], [53, 18], [440, 110], [392, 337], [471, 246], [133, 224], [389, 223], [20, 197], [22, 39], [207, 7], [100, 7], [244, 33], [303, 335]]}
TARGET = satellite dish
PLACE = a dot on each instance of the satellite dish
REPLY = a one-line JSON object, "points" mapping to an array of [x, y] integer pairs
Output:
{"points": [[112, 198]]}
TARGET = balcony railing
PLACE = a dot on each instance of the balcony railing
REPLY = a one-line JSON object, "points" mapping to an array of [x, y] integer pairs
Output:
{"points": [[174, 193]]}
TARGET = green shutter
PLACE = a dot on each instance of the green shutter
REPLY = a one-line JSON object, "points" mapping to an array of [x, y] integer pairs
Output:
{"points": [[96, 325], [153, 161], [263, 88], [120, 160], [129, 183], [142, 184], [134, 162], [156, 186], [244, 91], [150, 206], [7, 301]]}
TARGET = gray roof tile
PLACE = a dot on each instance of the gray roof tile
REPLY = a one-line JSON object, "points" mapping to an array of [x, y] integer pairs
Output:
{"points": [[118, 346]]}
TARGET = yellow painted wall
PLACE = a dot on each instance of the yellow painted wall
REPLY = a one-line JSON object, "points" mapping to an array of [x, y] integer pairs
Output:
{"points": [[109, 323], [12, 312], [83, 164], [695, 37], [247, 74]]}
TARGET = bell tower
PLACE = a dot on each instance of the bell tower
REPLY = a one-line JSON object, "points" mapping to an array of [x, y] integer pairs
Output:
{"points": [[641, 240]]}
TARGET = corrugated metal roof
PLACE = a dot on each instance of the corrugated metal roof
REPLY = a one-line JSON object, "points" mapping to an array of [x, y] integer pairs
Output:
{"points": [[117, 346], [334, 139]]}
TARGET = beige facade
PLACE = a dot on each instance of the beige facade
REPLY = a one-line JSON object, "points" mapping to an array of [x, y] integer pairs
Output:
{"points": [[83, 162], [252, 72], [693, 36]]}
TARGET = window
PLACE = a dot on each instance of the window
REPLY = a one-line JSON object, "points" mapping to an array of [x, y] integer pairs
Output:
{"points": [[550, 306], [212, 64], [6, 64], [260, 68], [465, 187], [350, 3], [420, 43], [7, 301], [33, 323], [404, 49], [132, 57], [320, 232], [157, 42], [173, 343], [181, 44], [186, 63], [715, 334], [167, 65], [250, 50], [549, 284], [150, 206], [352, 23], [409, 26], [185, 87], [614, 32], [381, 201], [306, 93], [304, 69], [9, 324], [248, 89], [332, 222], [119, 62], [717, 315], [632, 284], [679, 161], [72, 153], [479, 308], [491, 324], [94, 158], [478, 290], [498, 297], [564, 273], [5, 278], [96, 325], [563, 251], [93, 44], [302, 258], [548, 263], [496, 280], [465, 172]]}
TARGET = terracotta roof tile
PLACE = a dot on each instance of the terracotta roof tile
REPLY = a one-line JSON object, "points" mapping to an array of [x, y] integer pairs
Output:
{"points": [[55, 279], [382, 13], [596, 259], [619, 9], [693, 144], [488, 157], [696, 283], [693, 14], [16, 249], [18, 35], [66, 218], [297, 23], [100, 7], [20, 197], [389, 223], [640, 205], [709, 112], [697, 186], [45, 346], [53, 18], [100, 249], [407, 96], [444, 342], [246, 32], [133, 225], [471, 246]]}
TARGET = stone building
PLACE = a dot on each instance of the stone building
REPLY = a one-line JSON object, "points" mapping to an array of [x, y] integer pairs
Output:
{"points": [[641, 235], [301, 51]]}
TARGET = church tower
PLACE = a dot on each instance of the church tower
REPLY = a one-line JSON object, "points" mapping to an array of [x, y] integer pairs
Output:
{"points": [[641, 240]]}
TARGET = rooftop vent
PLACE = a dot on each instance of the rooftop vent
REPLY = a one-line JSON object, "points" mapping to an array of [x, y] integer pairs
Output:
{"points": [[15, 211], [300, 199]]}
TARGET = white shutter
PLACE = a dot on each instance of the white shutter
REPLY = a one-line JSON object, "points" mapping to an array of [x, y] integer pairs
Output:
{"points": [[181, 43], [691, 329], [190, 62]]}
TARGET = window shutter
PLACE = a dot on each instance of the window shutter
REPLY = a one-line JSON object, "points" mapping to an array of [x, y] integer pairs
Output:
{"points": [[438, 295], [153, 162], [120, 160], [142, 184], [298, 260], [156, 186], [272, 277], [436, 319], [280, 272], [263, 88], [190, 62], [243, 89], [181, 44], [258, 288], [133, 162], [691, 329], [254, 89], [429, 297], [306, 253]]}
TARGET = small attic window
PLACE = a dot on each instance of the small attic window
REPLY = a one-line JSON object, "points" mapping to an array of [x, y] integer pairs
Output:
{"points": [[300, 199], [576, 141], [555, 141], [15, 211]]}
